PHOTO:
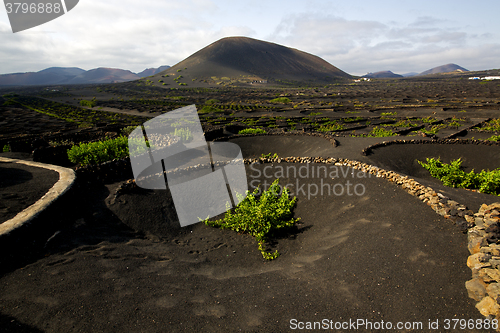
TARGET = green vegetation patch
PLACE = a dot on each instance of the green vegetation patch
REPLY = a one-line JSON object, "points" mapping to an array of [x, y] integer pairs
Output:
{"points": [[434, 129], [184, 134], [127, 130], [428, 120], [212, 101], [269, 155], [494, 138], [330, 126], [252, 131], [99, 151], [260, 216], [249, 121], [492, 125], [87, 103], [452, 175], [401, 123], [380, 132], [282, 100], [209, 109], [352, 120]]}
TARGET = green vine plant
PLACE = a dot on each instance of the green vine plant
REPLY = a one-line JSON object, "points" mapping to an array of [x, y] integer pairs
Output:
{"points": [[452, 175], [494, 138], [269, 155], [99, 151], [252, 131], [184, 134], [260, 216]]}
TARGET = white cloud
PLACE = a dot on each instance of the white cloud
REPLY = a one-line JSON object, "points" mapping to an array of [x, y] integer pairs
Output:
{"points": [[425, 21], [135, 35], [328, 35], [361, 46], [127, 34]]}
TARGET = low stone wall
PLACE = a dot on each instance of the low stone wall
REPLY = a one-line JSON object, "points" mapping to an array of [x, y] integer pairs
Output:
{"points": [[484, 246], [368, 150], [466, 130]]}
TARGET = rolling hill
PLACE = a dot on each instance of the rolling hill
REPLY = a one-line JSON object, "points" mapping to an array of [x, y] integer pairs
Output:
{"points": [[74, 75], [103, 75], [152, 71], [382, 74], [246, 60], [448, 68], [52, 75]]}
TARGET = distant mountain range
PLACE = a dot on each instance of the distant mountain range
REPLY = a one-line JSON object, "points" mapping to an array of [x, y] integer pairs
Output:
{"points": [[233, 60], [74, 75], [230, 60], [448, 68]]}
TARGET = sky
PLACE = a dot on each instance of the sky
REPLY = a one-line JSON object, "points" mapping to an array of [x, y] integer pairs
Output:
{"points": [[357, 36]]}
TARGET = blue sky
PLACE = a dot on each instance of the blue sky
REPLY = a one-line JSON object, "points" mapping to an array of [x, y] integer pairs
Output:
{"points": [[356, 36]]}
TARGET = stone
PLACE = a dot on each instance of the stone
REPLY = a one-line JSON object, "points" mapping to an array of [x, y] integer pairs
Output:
{"points": [[484, 209], [442, 196], [493, 228], [495, 250], [489, 221], [488, 307], [462, 224], [494, 274], [479, 221], [475, 242], [476, 289], [479, 260], [493, 290], [443, 211], [470, 219]]}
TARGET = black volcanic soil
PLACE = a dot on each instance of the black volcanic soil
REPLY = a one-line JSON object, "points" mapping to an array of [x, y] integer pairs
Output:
{"points": [[17, 120], [112, 266], [350, 257]]}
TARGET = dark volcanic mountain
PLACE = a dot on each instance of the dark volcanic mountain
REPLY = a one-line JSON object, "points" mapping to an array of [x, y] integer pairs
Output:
{"points": [[444, 69], [242, 57], [382, 74]]}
